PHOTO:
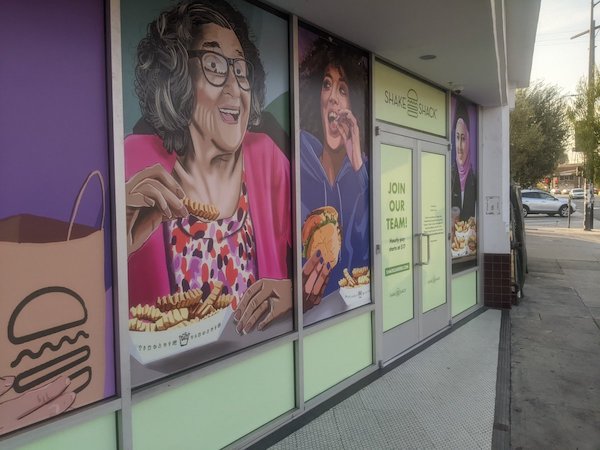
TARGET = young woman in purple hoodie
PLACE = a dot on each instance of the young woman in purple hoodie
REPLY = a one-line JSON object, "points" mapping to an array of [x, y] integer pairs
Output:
{"points": [[333, 162]]}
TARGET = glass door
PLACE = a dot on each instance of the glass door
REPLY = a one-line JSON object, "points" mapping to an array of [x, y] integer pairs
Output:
{"points": [[397, 191], [410, 260], [432, 235]]}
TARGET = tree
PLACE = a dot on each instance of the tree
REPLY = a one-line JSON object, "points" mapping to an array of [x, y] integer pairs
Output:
{"points": [[586, 120], [584, 114], [538, 133]]}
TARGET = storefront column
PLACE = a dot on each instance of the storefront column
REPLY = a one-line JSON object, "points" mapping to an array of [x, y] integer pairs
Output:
{"points": [[495, 203]]}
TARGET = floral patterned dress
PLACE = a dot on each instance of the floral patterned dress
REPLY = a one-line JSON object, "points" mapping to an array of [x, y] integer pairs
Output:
{"points": [[224, 250]]}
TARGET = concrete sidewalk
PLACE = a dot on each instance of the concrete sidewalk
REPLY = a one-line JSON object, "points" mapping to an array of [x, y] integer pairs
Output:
{"points": [[445, 396], [441, 398], [555, 360]]}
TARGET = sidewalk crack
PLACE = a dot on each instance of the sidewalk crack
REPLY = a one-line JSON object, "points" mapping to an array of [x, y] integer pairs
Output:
{"points": [[588, 309]]}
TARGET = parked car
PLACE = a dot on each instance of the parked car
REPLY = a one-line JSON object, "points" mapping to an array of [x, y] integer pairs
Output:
{"points": [[555, 191], [564, 191], [577, 193], [540, 202]]}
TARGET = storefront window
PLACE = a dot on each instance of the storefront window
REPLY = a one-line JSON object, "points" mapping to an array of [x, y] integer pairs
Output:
{"points": [[334, 176], [463, 245], [56, 344], [208, 188]]}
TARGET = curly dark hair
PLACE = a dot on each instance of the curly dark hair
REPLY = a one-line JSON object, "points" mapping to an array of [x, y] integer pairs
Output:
{"points": [[163, 75], [349, 61]]}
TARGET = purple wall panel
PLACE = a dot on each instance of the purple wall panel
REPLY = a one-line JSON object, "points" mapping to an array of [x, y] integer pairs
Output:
{"points": [[53, 116], [53, 110]]}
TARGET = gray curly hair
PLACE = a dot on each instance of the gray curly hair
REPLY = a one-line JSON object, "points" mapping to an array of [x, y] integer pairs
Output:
{"points": [[163, 75]]}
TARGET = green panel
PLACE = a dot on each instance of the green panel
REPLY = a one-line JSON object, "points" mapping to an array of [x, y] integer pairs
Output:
{"points": [[335, 353], [406, 101], [221, 407], [464, 292], [396, 235], [433, 222], [280, 109], [97, 434]]}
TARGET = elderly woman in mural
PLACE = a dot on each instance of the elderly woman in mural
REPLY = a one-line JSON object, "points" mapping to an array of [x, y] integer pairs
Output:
{"points": [[333, 83], [208, 202], [464, 181]]}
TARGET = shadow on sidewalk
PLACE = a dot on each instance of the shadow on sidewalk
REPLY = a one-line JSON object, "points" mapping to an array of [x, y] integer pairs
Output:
{"points": [[555, 343]]}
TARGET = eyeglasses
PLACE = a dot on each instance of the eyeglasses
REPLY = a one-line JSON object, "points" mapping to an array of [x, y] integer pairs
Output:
{"points": [[216, 68]]}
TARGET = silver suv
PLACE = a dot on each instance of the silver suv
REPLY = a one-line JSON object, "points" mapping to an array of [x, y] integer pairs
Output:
{"points": [[540, 202]]}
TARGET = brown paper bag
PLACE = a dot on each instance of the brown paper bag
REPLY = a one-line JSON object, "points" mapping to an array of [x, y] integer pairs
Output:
{"points": [[53, 303]]}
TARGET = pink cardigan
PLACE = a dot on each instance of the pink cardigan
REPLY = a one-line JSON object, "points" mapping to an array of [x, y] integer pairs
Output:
{"points": [[268, 182]]}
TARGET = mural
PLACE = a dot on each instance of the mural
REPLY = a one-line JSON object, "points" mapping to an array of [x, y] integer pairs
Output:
{"points": [[334, 176], [56, 345], [463, 184], [207, 188]]}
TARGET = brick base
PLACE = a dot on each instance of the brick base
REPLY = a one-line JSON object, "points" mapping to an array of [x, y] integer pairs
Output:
{"points": [[497, 289]]}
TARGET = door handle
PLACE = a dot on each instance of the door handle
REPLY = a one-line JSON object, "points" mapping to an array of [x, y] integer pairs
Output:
{"points": [[428, 248], [420, 246]]}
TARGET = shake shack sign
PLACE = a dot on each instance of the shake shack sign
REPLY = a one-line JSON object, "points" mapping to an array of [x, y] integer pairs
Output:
{"points": [[407, 101], [411, 104]]}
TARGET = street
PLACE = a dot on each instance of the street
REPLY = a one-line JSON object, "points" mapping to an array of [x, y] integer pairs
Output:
{"points": [[546, 221]]}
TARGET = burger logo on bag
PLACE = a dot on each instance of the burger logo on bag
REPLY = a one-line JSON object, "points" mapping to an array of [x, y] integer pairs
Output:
{"points": [[57, 315]]}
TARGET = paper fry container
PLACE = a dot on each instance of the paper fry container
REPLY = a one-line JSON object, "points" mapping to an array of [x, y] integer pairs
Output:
{"points": [[153, 346], [356, 296]]}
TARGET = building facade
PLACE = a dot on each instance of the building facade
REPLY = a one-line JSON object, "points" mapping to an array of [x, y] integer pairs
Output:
{"points": [[217, 215]]}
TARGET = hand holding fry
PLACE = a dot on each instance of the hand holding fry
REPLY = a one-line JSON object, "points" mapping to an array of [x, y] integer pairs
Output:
{"points": [[152, 195], [348, 126]]}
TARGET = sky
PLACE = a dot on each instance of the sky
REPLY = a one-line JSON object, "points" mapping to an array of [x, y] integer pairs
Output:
{"points": [[556, 58]]}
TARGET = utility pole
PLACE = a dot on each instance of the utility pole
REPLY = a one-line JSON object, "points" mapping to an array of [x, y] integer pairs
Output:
{"points": [[588, 219], [588, 205]]}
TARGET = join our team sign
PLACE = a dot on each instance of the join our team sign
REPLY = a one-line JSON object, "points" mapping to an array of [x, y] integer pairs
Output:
{"points": [[396, 235]]}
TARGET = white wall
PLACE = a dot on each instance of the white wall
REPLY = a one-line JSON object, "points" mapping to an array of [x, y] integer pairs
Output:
{"points": [[494, 180]]}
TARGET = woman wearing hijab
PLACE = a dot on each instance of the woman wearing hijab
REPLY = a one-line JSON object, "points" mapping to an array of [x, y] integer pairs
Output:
{"points": [[464, 180]]}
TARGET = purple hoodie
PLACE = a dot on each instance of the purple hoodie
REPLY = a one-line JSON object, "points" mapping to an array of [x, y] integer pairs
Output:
{"points": [[349, 195]]}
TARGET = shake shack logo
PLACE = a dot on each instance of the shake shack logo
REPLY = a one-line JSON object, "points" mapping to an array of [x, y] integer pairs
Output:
{"points": [[411, 104], [184, 339]]}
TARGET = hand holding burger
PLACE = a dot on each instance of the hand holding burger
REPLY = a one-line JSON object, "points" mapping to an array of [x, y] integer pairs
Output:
{"points": [[321, 245], [315, 275], [321, 232]]}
